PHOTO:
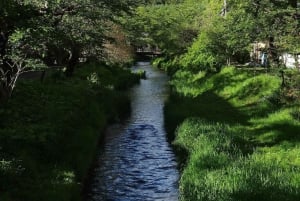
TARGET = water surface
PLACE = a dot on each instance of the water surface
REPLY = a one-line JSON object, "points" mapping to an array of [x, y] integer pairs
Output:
{"points": [[136, 162]]}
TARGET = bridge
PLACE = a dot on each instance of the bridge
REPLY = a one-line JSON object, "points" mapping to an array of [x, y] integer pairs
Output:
{"points": [[147, 52]]}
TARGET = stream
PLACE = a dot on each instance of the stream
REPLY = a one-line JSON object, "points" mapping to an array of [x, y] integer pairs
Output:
{"points": [[136, 163]]}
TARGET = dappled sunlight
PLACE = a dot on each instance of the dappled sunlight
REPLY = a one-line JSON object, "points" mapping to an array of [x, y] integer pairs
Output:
{"points": [[275, 128], [217, 169], [242, 145], [208, 106], [237, 87], [64, 177]]}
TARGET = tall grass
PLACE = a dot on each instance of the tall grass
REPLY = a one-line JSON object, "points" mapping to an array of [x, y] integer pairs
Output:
{"points": [[240, 144], [217, 170]]}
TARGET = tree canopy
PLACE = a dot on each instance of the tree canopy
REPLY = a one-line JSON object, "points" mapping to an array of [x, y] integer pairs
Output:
{"points": [[35, 33], [200, 34], [209, 34]]}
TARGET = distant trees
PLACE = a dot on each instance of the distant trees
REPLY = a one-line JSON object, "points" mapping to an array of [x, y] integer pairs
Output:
{"points": [[272, 21], [39, 32], [35, 33], [211, 33], [171, 26], [228, 38]]}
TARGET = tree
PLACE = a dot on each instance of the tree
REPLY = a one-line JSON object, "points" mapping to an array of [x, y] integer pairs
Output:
{"points": [[224, 38], [271, 21], [171, 26], [15, 17], [75, 29], [209, 51], [53, 33]]}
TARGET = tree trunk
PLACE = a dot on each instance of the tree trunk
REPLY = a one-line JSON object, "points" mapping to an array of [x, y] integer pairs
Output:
{"points": [[282, 79], [4, 94], [228, 61], [297, 64], [293, 3], [74, 59], [273, 55]]}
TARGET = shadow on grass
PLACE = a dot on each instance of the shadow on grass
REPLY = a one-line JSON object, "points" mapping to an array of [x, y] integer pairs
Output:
{"points": [[277, 133], [266, 194], [208, 106]]}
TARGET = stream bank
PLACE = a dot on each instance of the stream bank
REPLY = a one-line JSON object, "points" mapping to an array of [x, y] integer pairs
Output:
{"points": [[237, 137], [49, 131]]}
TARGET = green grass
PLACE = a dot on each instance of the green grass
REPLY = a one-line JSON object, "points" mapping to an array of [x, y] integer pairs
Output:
{"points": [[49, 131], [236, 140], [218, 170]]}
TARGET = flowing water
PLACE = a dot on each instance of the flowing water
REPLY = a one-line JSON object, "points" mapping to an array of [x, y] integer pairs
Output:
{"points": [[136, 162]]}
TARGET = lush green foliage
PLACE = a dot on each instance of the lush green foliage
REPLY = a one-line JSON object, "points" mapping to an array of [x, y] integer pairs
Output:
{"points": [[171, 27], [40, 33], [242, 144], [49, 131], [227, 30]]}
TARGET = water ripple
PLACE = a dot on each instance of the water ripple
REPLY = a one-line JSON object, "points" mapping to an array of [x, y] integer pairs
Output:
{"points": [[137, 163]]}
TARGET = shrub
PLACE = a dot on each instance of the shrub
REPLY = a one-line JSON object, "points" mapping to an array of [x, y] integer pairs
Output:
{"points": [[49, 131]]}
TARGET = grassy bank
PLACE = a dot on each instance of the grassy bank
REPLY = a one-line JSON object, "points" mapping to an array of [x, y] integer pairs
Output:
{"points": [[240, 136], [49, 131]]}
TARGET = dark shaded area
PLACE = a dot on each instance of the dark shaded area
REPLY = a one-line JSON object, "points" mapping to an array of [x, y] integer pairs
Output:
{"points": [[284, 132], [267, 194], [49, 131], [208, 106]]}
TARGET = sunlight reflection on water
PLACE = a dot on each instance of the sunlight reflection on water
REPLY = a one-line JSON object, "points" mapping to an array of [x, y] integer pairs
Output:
{"points": [[136, 162]]}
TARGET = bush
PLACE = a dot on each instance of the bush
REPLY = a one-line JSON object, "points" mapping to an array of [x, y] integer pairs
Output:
{"points": [[204, 54], [49, 132]]}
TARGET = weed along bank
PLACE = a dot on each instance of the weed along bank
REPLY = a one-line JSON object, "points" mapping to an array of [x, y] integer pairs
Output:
{"points": [[49, 132], [237, 136]]}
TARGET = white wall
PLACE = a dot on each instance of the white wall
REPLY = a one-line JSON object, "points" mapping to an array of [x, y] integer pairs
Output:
{"points": [[289, 60]]}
